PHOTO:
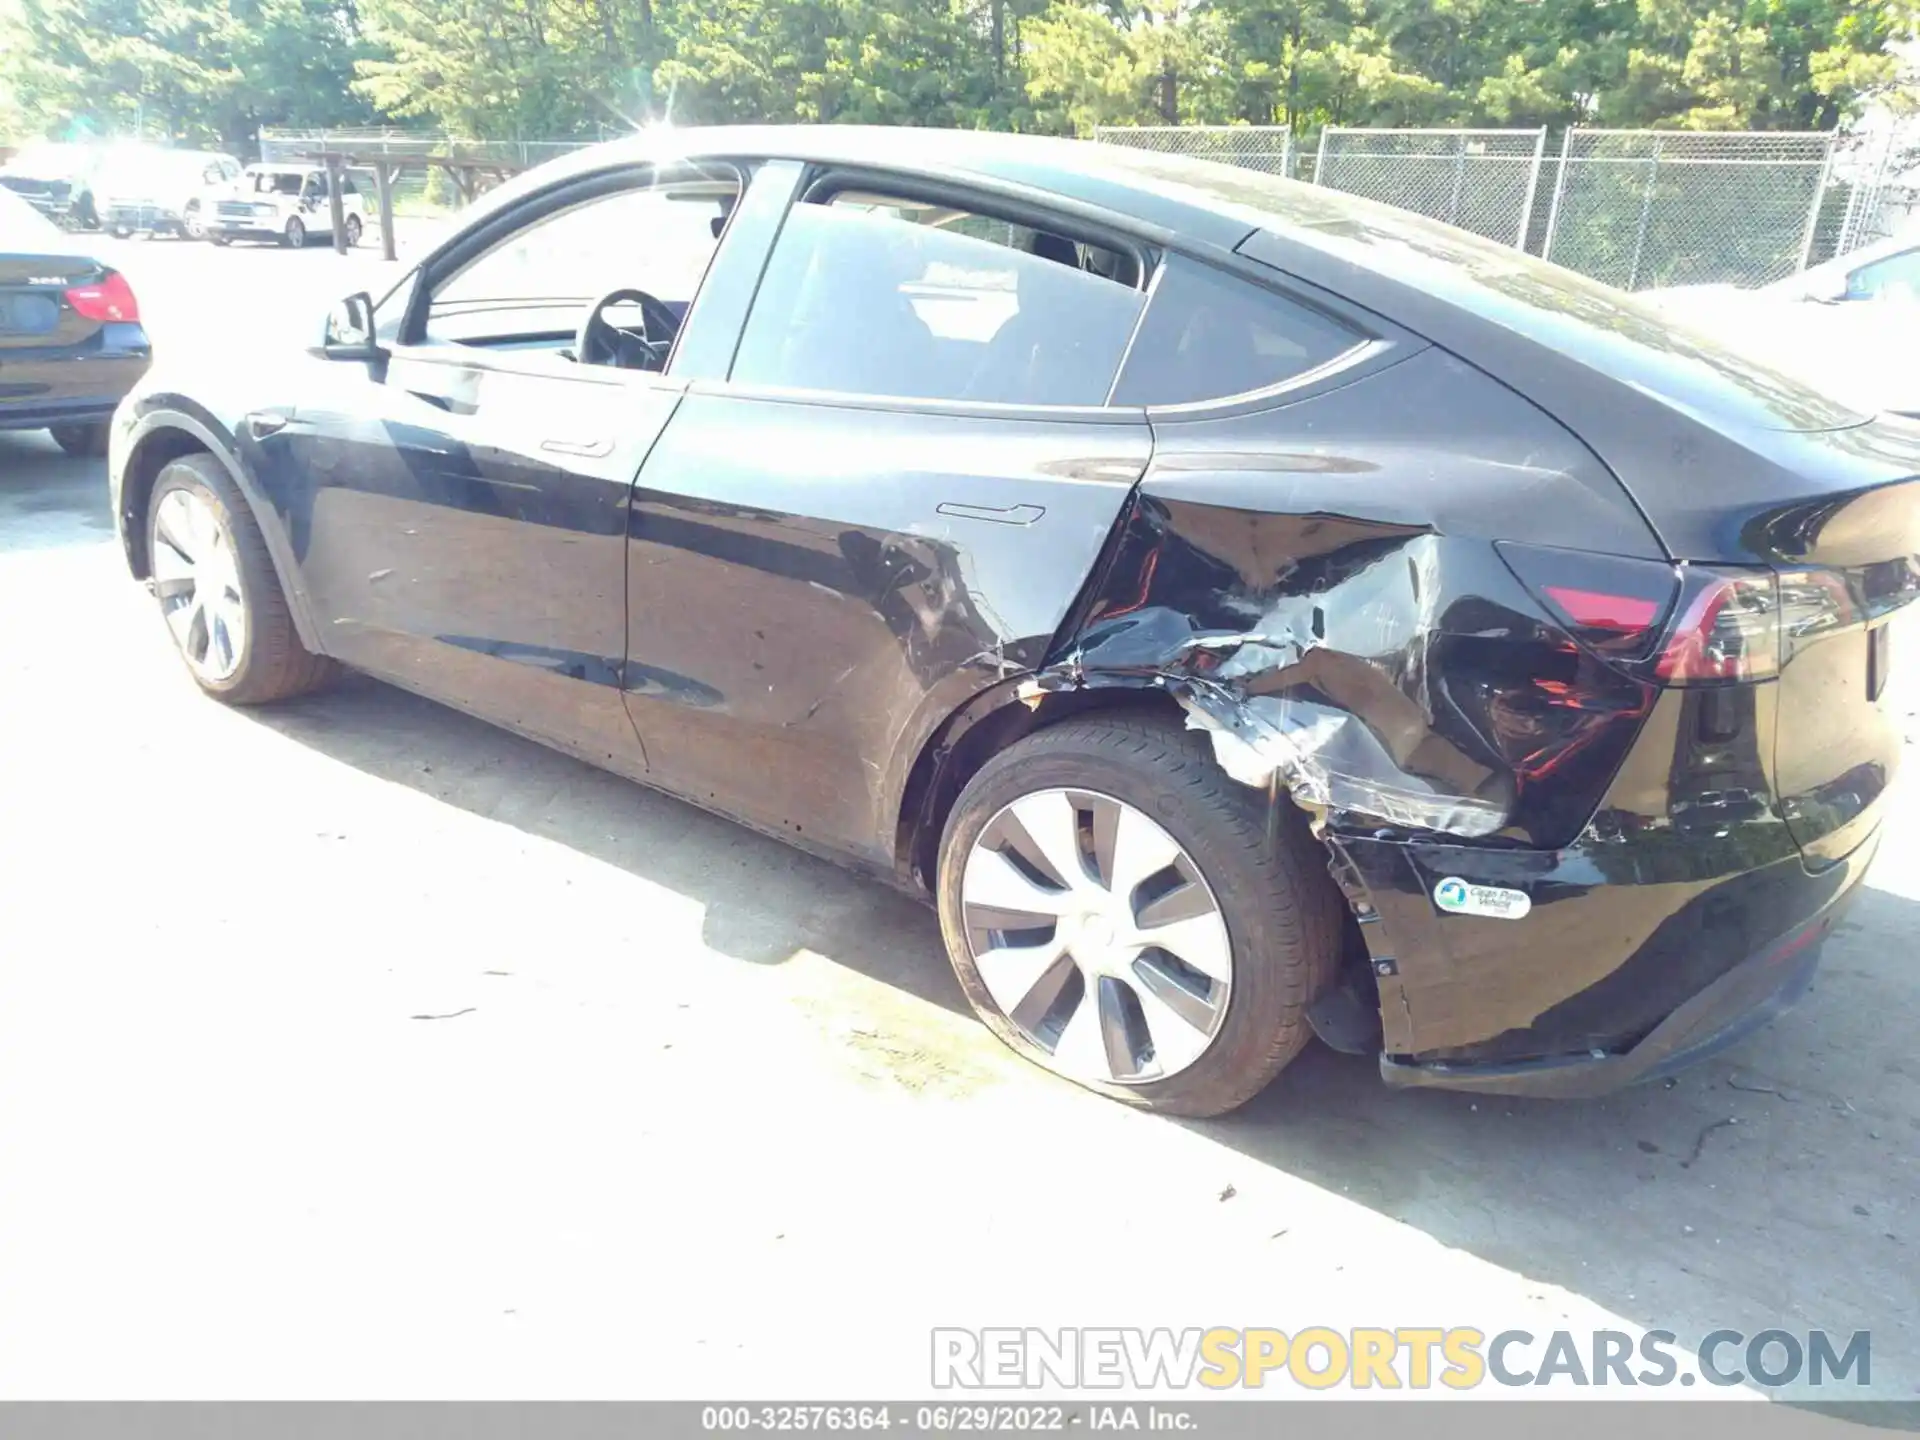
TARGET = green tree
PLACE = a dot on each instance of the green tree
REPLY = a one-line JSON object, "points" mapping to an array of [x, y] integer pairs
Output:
{"points": [[198, 70]]}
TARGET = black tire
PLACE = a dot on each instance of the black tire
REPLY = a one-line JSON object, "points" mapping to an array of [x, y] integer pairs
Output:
{"points": [[294, 237], [274, 665], [1268, 876], [353, 229], [81, 441]]}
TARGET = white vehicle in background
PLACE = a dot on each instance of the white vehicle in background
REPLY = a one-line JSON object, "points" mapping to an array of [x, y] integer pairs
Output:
{"points": [[1850, 326], [288, 204], [155, 191]]}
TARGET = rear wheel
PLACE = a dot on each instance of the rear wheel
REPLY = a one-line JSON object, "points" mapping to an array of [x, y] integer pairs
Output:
{"points": [[81, 440], [1123, 913], [295, 235], [218, 591]]}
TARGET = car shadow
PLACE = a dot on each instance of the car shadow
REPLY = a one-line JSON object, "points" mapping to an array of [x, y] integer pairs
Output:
{"points": [[764, 900], [1774, 1185], [43, 491]]}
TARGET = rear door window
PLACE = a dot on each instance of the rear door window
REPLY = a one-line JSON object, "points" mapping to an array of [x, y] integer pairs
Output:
{"points": [[888, 296], [1209, 335]]}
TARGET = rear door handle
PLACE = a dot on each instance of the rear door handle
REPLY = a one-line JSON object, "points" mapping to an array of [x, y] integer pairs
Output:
{"points": [[996, 514], [593, 449], [262, 423]]}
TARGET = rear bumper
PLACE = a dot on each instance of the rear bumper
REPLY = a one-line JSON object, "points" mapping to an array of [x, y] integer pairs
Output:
{"points": [[1731, 1008], [72, 386], [1638, 956]]}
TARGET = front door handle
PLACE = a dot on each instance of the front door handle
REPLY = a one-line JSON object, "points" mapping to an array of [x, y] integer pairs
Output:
{"points": [[996, 514]]}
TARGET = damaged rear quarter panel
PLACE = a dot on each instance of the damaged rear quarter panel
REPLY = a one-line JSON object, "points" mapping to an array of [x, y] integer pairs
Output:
{"points": [[1317, 585]]}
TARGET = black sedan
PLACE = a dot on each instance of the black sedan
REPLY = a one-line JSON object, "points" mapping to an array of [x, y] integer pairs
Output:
{"points": [[1245, 611], [71, 345]]}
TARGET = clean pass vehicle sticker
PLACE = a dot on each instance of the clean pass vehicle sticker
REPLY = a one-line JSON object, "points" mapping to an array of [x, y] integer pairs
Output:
{"points": [[1458, 896]]}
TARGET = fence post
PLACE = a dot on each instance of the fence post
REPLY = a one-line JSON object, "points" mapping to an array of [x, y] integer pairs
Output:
{"points": [[1819, 200], [1459, 178], [383, 180], [1320, 156], [1533, 187], [1646, 215], [1559, 189]]}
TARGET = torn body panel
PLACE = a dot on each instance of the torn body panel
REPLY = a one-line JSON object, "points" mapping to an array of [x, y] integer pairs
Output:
{"points": [[1383, 670], [1437, 721]]}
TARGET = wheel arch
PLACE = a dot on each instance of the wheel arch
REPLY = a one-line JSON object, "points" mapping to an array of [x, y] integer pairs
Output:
{"points": [[164, 434], [974, 734]]}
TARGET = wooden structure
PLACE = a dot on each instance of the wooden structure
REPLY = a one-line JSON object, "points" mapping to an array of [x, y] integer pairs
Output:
{"points": [[472, 166]]}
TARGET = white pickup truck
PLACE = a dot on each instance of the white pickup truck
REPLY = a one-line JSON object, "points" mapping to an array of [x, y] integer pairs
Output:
{"points": [[287, 204]]}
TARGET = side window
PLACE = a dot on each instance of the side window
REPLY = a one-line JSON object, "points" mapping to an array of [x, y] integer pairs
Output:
{"points": [[1209, 335], [534, 286], [1895, 278], [870, 295], [347, 186]]}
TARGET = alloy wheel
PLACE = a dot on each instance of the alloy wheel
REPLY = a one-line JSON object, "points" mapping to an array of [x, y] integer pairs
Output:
{"points": [[196, 576], [1097, 937]]}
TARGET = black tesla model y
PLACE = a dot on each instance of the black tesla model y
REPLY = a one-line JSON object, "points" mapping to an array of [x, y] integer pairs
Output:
{"points": [[1245, 611]]}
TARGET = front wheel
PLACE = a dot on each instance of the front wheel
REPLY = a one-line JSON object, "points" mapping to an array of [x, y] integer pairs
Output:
{"points": [[1120, 911], [218, 591], [296, 233], [81, 441], [193, 223]]}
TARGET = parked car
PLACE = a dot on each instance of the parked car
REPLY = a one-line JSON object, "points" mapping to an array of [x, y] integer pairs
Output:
{"points": [[1848, 325], [70, 339], [1243, 609], [163, 192], [56, 178], [285, 203]]}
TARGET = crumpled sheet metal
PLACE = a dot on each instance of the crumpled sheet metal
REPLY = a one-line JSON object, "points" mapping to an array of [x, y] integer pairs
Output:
{"points": [[1325, 693]]}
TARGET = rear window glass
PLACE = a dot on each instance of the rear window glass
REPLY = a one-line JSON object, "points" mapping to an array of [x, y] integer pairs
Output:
{"points": [[1208, 335]]}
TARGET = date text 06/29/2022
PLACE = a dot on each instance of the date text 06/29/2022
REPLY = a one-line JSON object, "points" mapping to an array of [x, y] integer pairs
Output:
{"points": [[949, 1419]]}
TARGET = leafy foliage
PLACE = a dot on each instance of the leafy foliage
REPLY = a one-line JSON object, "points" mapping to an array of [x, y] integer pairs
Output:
{"points": [[534, 69]]}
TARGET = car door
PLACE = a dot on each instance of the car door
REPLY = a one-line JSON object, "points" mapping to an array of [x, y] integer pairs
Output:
{"points": [[883, 503], [458, 513]]}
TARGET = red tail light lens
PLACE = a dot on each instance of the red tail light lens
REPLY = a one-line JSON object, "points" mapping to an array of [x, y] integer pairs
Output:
{"points": [[1728, 630], [108, 298], [1613, 605]]}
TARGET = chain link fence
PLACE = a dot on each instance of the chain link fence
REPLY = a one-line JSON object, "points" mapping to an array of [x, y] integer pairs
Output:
{"points": [[1254, 147], [1480, 180], [1645, 208]]}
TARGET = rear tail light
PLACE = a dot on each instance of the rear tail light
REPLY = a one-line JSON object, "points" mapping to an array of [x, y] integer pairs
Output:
{"points": [[1615, 606], [1728, 630], [106, 299], [1686, 624]]}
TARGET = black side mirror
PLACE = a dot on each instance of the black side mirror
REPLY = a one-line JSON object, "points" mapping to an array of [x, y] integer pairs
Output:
{"points": [[349, 332]]}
